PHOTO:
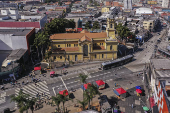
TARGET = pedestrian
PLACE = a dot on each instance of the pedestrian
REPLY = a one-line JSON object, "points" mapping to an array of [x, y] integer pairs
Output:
{"points": [[27, 81], [35, 84], [115, 84], [39, 79]]}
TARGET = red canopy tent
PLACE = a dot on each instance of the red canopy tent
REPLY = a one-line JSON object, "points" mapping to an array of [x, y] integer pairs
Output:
{"points": [[64, 92], [138, 91], [37, 68], [100, 82], [86, 85], [120, 90]]}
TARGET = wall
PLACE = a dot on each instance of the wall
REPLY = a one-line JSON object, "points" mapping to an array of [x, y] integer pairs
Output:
{"points": [[43, 21], [9, 42], [30, 39], [32, 17]]}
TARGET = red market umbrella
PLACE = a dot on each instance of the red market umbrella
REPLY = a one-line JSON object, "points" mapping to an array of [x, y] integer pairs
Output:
{"points": [[86, 85], [120, 90], [64, 92], [37, 68], [138, 91], [100, 82], [52, 72]]}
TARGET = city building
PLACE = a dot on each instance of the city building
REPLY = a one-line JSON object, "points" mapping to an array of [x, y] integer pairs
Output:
{"points": [[85, 46], [11, 39], [15, 46], [158, 77], [143, 10], [12, 19], [165, 3], [128, 4], [105, 9], [148, 25]]}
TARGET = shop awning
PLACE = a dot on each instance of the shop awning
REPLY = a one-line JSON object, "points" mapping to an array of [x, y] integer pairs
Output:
{"points": [[37, 68]]}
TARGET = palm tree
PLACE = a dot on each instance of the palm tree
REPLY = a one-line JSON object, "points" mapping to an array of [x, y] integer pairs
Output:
{"points": [[94, 91], [63, 98], [83, 80], [57, 101], [31, 104], [83, 103], [91, 91], [22, 101]]}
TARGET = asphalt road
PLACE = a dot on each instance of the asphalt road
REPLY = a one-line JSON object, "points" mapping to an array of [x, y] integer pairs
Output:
{"points": [[73, 82]]}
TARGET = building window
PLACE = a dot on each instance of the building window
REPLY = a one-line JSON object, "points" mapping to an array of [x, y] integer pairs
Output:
{"points": [[111, 47], [101, 43], [95, 56], [60, 57], [75, 45], [150, 23], [110, 25], [102, 56], [68, 45], [58, 45], [54, 57]]}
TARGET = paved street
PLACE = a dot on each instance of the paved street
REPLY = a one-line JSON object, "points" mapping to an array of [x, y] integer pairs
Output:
{"points": [[51, 86]]}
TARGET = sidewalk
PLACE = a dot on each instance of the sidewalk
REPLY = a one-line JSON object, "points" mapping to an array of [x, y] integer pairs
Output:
{"points": [[124, 104]]}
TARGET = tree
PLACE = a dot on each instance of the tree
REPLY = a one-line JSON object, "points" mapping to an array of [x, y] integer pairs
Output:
{"points": [[90, 92], [21, 100], [87, 25], [83, 80], [41, 40], [83, 103], [57, 101], [123, 31], [63, 98], [96, 25], [31, 104]]}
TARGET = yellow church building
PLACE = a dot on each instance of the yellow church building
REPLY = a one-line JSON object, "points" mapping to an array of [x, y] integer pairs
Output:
{"points": [[85, 46]]}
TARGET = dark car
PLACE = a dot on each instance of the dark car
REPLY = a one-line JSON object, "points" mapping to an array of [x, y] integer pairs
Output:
{"points": [[7, 110], [103, 98]]}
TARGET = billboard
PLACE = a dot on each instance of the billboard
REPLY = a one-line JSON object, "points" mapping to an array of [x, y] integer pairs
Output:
{"points": [[162, 106]]}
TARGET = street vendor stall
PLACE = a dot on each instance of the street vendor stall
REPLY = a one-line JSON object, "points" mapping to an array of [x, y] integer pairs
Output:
{"points": [[64, 92], [120, 92], [100, 84], [85, 86], [37, 70]]}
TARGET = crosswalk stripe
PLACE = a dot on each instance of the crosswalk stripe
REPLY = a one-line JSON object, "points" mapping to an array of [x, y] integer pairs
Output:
{"points": [[2, 100], [43, 84], [32, 90]]}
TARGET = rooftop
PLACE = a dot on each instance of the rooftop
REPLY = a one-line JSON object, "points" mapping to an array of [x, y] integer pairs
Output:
{"points": [[78, 35], [15, 32]]}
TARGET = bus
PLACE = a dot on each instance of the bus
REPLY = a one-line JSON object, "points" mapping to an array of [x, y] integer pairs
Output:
{"points": [[118, 62]]}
